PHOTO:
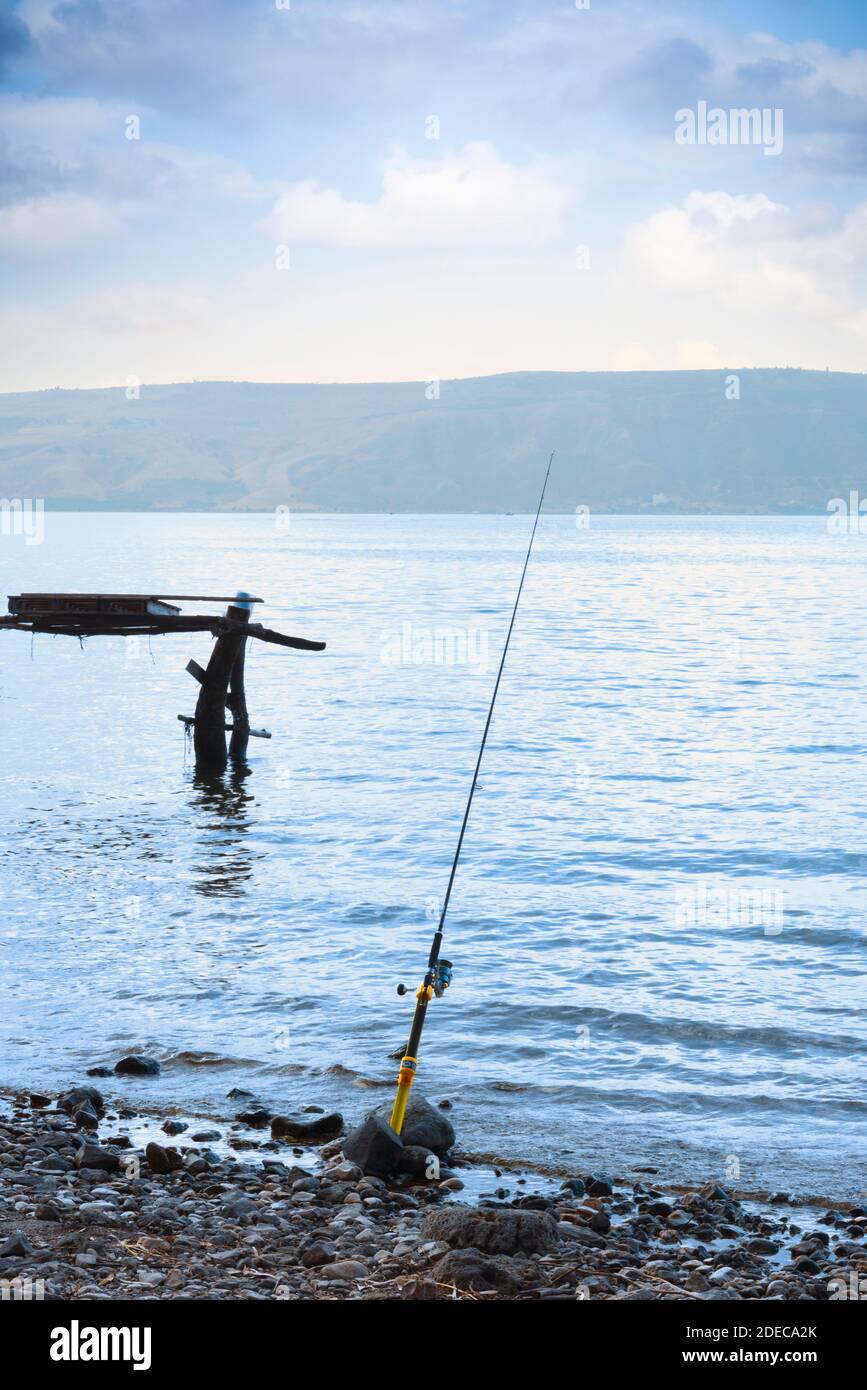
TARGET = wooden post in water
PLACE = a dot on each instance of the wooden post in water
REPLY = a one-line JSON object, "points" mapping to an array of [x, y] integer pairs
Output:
{"points": [[237, 698], [128, 615], [210, 726]]}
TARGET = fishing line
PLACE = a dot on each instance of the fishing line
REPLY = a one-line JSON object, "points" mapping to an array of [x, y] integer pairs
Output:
{"points": [[439, 972]]}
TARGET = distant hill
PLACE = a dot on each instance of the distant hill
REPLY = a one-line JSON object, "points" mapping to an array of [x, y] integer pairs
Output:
{"points": [[626, 441]]}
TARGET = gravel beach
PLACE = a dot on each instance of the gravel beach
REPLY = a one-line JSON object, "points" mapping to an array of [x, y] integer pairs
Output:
{"points": [[89, 1210]]}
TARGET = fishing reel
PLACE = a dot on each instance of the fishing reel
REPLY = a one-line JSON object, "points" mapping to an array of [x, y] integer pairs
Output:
{"points": [[442, 978]]}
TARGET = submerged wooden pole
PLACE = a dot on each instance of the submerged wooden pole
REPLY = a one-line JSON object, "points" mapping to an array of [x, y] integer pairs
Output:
{"points": [[210, 735], [237, 698]]}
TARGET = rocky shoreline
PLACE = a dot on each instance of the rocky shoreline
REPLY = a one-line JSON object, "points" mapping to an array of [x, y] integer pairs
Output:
{"points": [[89, 1210]]}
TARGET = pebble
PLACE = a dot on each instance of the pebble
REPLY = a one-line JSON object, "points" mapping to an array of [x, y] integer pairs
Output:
{"points": [[344, 1269]]}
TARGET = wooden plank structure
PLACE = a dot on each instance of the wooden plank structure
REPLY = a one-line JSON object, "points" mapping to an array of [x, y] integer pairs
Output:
{"points": [[221, 685]]}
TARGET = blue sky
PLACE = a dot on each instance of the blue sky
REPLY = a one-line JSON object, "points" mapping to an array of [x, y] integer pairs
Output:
{"points": [[346, 191]]}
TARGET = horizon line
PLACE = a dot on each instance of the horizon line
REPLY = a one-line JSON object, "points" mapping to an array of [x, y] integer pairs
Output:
{"points": [[421, 381]]}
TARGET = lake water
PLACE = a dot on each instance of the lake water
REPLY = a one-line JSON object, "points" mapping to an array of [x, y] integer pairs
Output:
{"points": [[658, 928]]}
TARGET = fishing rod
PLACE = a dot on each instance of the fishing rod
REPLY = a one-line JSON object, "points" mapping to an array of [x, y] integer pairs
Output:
{"points": [[438, 975]]}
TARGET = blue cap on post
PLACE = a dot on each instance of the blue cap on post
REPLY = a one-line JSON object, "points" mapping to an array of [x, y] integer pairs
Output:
{"points": [[242, 600]]}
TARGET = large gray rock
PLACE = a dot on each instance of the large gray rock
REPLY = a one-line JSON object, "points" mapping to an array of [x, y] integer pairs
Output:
{"points": [[374, 1146], [424, 1127], [307, 1131], [492, 1231], [471, 1269], [163, 1160], [85, 1117], [92, 1156], [418, 1162], [259, 1117], [17, 1246], [80, 1096], [135, 1065]]}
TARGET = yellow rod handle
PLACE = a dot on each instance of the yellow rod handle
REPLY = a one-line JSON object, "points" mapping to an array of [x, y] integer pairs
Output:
{"points": [[401, 1100], [409, 1064]]}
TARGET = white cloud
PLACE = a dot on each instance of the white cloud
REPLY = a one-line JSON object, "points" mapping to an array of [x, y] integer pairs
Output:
{"points": [[810, 69], [56, 223], [69, 177], [145, 308], [745, 251], [39, 15], [689, 354], [173, 172], [690, 247], [469, 198], [65, 125], [633, 357], [697, 354]]}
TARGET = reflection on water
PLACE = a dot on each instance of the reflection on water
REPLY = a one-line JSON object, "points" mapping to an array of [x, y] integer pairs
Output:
{"points": [[221, 805]]}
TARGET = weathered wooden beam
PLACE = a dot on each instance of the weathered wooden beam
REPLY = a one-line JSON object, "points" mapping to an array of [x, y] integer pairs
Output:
{"points": [[195, 670], [190, 719], [31, 598], [81, 631], [267, 634], [237, 702], [207, 598], [128, 624], [25, 605], [109, 624]]}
